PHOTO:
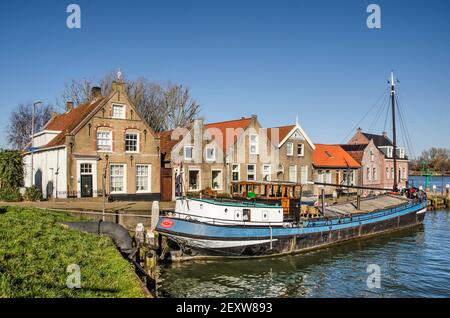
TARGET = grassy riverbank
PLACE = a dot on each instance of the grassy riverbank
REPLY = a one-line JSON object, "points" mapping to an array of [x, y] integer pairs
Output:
{"points": [[35, 252]]}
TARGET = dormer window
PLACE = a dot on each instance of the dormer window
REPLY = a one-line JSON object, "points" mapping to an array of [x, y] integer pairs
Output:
{"points": [[118, 111]]}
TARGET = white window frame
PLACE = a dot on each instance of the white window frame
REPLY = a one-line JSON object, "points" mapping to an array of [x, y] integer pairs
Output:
{"points": [[328, 176], [113, 106], [238, 170], [214, 153], [124, 176], [302, 154], [369, 174], [295, 173], [221, 179], [304, 174], [192, 152], [267, 173], [289, 149], [320, 176], [253, 143], [253, 173], [199, 179], [149, 178], [109, 140], [137, 142]]}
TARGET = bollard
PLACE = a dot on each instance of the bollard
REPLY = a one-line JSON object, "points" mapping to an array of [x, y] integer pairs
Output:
{"points": [[155, 215]]}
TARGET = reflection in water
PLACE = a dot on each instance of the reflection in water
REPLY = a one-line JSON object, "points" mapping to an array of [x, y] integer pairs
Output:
{"points": [[413, 262]]}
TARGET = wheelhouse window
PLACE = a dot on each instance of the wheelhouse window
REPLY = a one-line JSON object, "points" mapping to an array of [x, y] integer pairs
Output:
{"points": [[117, 178], [251, 173], [300, 150], [188, 152], [131, 142], [118, 111], [104, 141], [142, 178], [194, 180], [216, 179], [254, 144], [210, 153], [267, 171], [236, 173]]}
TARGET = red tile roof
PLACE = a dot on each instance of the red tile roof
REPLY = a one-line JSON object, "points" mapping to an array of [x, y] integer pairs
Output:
{"points": [[167, 144], [333, 156], [238, 125], [283, 131], [68, 121]]}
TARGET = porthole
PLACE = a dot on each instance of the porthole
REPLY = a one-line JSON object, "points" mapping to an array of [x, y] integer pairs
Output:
{"points": [[226, 210], [201, 205]]}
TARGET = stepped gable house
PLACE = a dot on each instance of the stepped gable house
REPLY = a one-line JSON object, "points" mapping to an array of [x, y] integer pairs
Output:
{"points": [[101, 144]]}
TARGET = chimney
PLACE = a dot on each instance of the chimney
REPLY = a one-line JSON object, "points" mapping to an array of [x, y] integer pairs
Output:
{"points": [[385, 134], [118, 86], [69, 106], [96, 92], [254, 116], [359, 130]]}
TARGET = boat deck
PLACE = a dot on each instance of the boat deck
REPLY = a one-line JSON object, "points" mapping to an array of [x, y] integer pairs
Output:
{"points": [[367, 205]]}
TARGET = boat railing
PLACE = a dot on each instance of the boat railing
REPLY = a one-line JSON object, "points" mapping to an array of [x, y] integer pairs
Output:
{"points": [[362, 217]]}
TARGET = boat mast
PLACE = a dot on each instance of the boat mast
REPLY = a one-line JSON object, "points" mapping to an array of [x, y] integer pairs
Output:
{"points": [[394, 135]]}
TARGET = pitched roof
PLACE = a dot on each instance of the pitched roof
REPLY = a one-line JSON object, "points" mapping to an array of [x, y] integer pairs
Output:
{"points": [[166, 143], [333, 156], [379, 140], [68, 121], [239, 124], [355, 150], [283, 131]]}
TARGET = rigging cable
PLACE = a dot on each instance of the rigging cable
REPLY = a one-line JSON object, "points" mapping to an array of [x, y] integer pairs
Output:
{"points": [[365, 115]]}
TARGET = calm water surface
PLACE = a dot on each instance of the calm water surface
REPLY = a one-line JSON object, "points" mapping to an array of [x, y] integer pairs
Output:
{"points": [[414, 263]]}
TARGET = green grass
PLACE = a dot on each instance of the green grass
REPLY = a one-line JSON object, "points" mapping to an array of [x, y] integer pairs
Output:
{"points": [[35, 251]]}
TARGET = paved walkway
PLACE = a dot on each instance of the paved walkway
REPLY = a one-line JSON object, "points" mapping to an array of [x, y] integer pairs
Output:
{"points": [[94, 204]]}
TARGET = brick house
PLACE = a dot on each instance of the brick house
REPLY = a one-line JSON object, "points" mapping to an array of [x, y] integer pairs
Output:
{"points": [[371, 160], [234, 151], [295, 150], [386, 161], [105, 139], [213, 155], [333, 165]]}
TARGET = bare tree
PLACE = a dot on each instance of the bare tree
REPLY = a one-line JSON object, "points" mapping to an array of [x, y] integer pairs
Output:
{"points": [[19, 128], [437, 159], [163, 107]]}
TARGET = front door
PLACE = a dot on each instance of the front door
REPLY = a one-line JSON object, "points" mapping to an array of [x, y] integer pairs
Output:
{"points": [[166, 184], [86, 186]]}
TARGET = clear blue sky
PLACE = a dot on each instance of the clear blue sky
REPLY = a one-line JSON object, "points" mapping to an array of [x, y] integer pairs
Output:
{"points": [[276, 59]]}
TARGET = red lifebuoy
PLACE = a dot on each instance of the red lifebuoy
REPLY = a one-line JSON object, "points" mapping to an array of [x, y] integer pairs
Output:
{"points": [[167, 223]]}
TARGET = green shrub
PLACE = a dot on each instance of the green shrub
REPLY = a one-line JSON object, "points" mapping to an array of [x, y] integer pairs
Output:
{"points": [[10, 194], [32, 194]]}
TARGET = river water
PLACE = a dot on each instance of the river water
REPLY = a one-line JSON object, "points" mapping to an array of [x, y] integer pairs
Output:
{"points": [[413, 263]]}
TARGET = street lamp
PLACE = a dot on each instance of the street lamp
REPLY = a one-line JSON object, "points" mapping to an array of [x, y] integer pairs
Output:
{"points": [[32, 140]]}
